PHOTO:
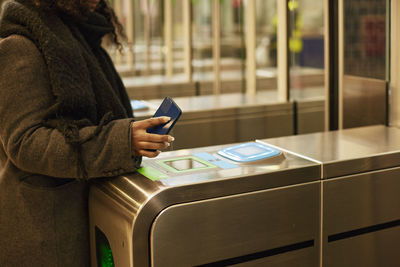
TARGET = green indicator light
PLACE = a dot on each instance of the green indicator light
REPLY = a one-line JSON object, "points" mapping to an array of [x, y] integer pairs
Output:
{"points": [[152, 173], [106, 256], [103, 250]]}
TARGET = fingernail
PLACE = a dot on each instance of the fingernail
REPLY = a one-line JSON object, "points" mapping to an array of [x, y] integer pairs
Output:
{"points": [[171, 139], [168, 144], [166, 118]]}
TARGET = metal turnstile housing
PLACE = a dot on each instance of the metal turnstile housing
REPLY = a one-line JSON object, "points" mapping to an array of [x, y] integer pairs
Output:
{"points": [[359, 194], [331, 199], [267, 212]]}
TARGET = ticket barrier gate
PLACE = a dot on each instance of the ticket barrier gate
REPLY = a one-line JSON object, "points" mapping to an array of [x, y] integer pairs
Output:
{"points": [[329, 199], [359, 194], [194, 208]]}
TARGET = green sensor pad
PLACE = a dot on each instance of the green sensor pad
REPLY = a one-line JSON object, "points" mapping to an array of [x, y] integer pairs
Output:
{"points": [[152, 173], [175, 165]]}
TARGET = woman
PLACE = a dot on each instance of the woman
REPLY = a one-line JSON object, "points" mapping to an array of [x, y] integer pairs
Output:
{"points": [[65, 118]]}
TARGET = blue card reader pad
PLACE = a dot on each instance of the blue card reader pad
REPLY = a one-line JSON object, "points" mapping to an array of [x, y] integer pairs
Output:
{"points": [[248, 152]]}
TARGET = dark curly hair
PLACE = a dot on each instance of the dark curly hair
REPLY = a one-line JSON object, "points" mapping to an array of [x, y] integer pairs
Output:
{"points": [[80, 9]]}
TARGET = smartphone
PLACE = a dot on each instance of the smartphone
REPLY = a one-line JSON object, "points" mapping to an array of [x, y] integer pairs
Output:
{"points": [[170, 109]]}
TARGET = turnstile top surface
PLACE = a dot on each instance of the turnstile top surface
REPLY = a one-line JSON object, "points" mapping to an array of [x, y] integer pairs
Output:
{"points": [[212, 103], [272, 169], [136, 191], [347, 151], [219, 103]]}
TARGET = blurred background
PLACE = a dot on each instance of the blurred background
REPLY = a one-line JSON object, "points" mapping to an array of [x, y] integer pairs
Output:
{"points": [[261, 68], [158, 59]]}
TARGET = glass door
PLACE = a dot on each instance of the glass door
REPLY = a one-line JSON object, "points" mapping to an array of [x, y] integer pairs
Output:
{"points": [[363, 63]]}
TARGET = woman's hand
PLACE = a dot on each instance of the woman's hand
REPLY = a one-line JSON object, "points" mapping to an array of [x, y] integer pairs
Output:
{"points": [[143, 141]]}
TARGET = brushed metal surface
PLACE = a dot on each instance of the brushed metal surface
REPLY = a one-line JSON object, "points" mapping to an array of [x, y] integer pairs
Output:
{"points": [[366, 193], [102, 207], [364, 101], [362, 200], [205, 128], [122, 199], [346, 152], [227, 118], [269, 173], [140, 200], [264, 121], [357, 202], [216, 229], [378, 249], [300, 258], [311, 115], [213, 120], [215, 103]]}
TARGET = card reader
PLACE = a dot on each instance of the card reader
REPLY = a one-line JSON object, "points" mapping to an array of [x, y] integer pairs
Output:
{"points": [[248, 152]]}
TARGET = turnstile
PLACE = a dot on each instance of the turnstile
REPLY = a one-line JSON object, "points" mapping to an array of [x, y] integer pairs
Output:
{"points": [[206, 210], [330, 199], [359, 193], [231, 118]]}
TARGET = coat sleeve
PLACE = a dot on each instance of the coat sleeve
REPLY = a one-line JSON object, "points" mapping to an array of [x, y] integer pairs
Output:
{"points": [[25, 95]]}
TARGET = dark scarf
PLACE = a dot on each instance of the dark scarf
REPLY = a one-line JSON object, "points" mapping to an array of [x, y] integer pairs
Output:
{"points": [[87, 89]]}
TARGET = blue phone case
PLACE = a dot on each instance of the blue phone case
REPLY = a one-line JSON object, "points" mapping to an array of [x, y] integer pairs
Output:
{"points": [[170, 109]]}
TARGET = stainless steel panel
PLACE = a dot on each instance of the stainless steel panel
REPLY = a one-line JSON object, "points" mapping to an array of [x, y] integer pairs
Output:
{"points": [[206, 132], [264, 121], [212, 120], [251, 127], [154, 88], [122, 200], [215, 103], [362, 200], [307, 257], [364, 101], [357, 202], [279, 125], [236, 86], [378, 249], [139, 200], [279, 120], [205, 128], [102, 208], [222, 228], [285, 170], [310, 115], [347, 151]]}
